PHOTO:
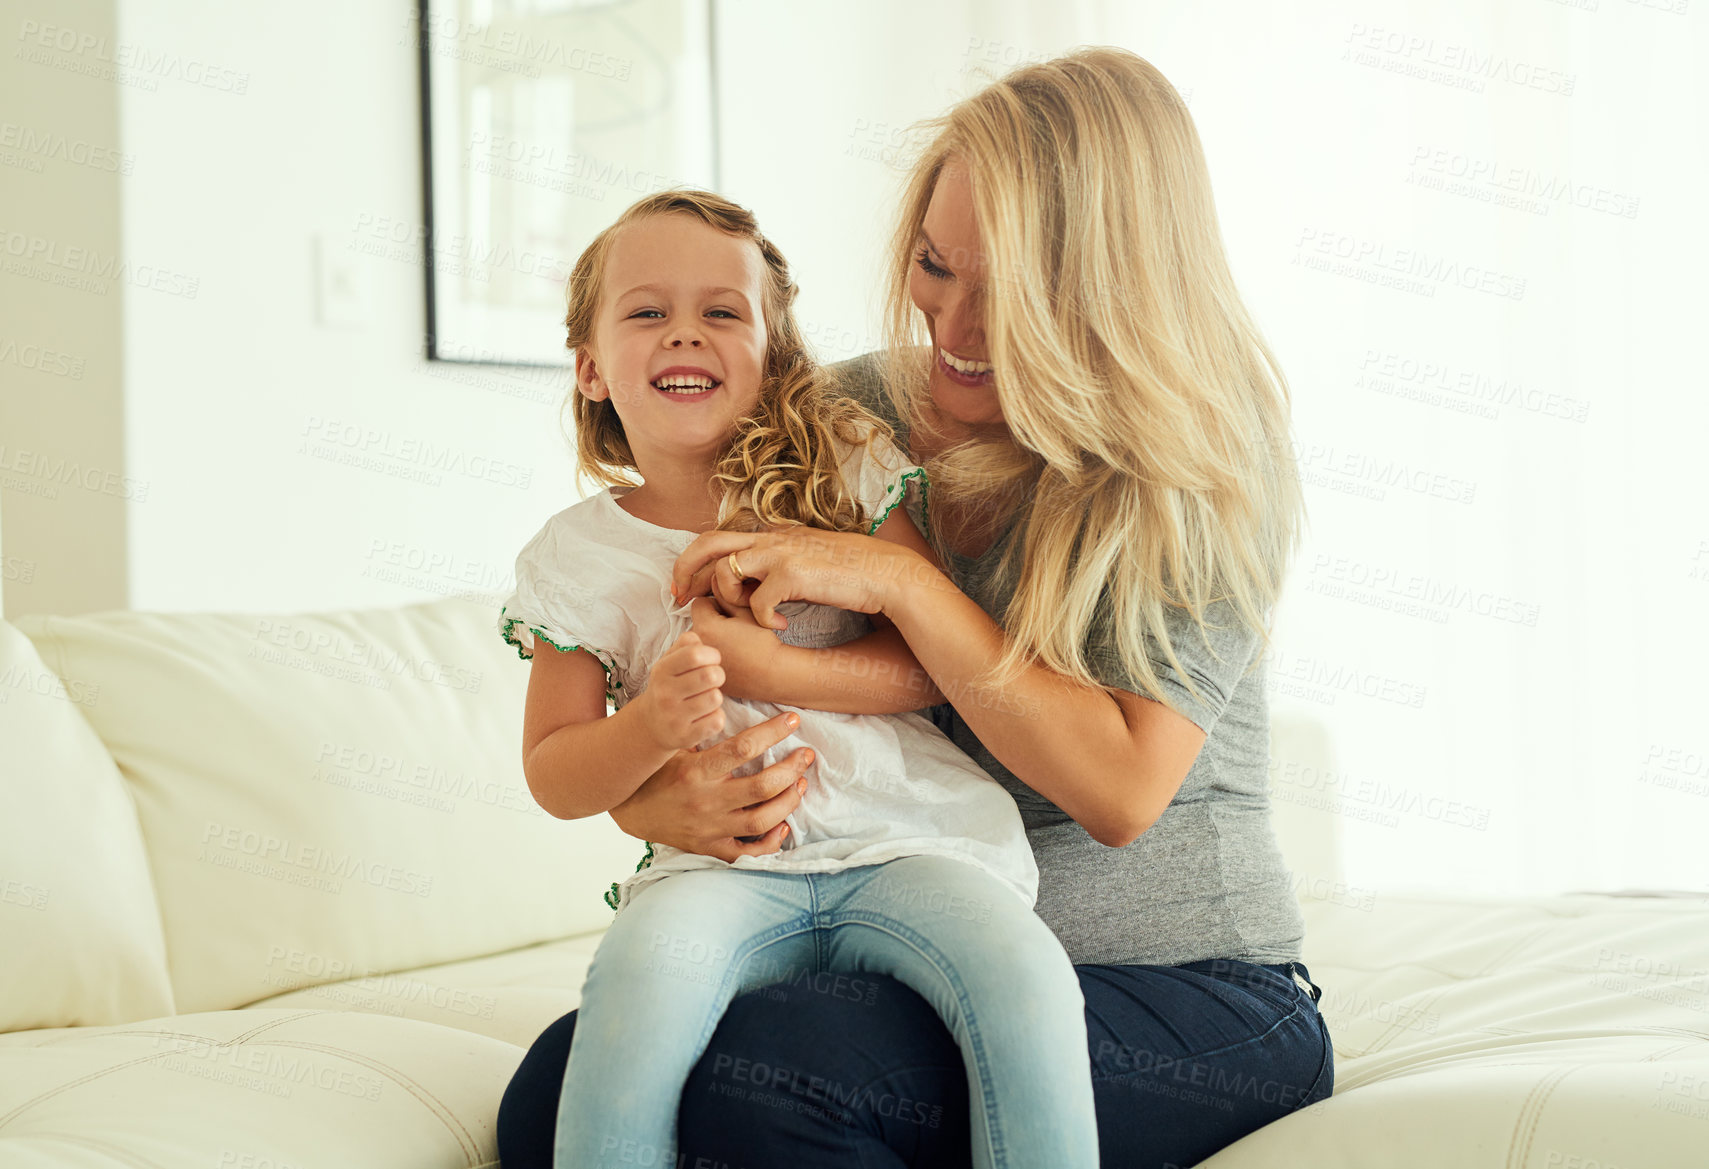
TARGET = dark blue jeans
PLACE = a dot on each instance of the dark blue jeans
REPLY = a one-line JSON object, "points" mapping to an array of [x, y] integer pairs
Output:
{"points": [[1185, 1060]]}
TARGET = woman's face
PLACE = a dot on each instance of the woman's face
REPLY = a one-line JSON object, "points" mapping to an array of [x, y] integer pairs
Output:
{"points": [[946, 284]]}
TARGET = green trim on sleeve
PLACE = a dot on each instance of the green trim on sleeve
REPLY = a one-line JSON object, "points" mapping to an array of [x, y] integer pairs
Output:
{"points": [[902, 483], [611, 894], [508, 630]]}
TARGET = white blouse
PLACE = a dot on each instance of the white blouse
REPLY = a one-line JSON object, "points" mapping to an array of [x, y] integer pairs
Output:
{"points": [[881, 786]]}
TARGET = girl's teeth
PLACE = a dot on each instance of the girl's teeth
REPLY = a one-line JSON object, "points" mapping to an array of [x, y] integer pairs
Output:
{"points": [[971, 368]]}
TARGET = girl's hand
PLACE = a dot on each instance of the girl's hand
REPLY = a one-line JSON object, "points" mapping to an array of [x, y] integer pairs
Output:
{"points": [[746, 649], [845, 569], [695, 804], [682, 704]]}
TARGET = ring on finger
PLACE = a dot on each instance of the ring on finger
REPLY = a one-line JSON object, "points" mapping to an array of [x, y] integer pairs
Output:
{"points": [[737, 568]]}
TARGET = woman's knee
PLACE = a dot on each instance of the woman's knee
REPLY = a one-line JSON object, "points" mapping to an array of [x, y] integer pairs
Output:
{"points": [[857, 1026], [830, 1065], [528, 1112]]}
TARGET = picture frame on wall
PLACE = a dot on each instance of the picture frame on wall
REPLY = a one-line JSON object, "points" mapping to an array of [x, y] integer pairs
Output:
{"points": [[541, 120]]}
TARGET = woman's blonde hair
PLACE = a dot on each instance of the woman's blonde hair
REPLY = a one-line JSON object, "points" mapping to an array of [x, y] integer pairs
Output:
{"points": [[781, 465], [1150, 463]]}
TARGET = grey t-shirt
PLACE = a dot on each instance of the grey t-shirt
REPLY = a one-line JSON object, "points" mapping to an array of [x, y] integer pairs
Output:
{"points": [[1206, 880]]}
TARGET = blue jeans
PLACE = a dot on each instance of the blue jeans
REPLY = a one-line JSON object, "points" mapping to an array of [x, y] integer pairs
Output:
{"points": [[684, 948], [1155, 1034]]}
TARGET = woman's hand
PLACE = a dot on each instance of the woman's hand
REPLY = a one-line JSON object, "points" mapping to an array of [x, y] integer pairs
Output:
{"points": [[845, 569], [695, 804], [746, 649]]}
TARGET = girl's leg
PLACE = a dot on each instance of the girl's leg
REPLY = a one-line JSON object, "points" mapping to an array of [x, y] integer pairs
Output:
{"points": [[658, 984], [999, 979]]}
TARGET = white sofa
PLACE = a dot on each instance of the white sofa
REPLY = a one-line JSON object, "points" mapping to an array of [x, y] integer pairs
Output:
{"points": [[274, 895]]}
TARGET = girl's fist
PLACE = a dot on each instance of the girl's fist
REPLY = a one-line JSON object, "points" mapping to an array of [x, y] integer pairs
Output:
{"points": [[682, 704]]}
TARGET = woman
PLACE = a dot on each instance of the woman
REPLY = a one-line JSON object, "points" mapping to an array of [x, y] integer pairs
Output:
{"points": [[1105, 435]]}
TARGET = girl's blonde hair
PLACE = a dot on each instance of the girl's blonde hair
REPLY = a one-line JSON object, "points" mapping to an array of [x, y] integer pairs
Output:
{"points": [[1148, 461], [781, 466]]}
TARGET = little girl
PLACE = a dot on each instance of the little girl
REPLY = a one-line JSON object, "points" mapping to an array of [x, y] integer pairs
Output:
{"points": [[903, 858]]}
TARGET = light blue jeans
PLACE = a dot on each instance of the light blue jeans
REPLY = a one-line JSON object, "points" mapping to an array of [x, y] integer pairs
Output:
{"points": [[685, 946]]}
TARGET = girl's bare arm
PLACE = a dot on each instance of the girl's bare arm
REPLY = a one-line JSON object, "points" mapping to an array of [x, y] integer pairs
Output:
{"points": [[580, 762]]}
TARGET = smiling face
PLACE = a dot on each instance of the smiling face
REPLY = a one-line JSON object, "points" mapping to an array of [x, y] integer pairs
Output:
{"points": [[679, 345], [946, 284]]}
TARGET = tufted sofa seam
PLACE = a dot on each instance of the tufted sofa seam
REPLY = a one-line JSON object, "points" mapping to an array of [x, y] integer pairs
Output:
{"points": [[117, 1152], [1530, 1113], [438, 1107], [77, 1083], [446, 1115], [123, 1029]]}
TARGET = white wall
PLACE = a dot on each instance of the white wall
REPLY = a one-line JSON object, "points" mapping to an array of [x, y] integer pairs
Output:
{"points": [[1476, 751], [243, 404]]}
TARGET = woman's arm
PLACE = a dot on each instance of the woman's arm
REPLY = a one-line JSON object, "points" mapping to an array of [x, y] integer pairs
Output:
{"points": [[1111, 761], [874, 674]]}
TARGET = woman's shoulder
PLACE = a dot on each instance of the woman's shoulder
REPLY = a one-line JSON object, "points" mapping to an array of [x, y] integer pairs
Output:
{"points": [[863, 379]]}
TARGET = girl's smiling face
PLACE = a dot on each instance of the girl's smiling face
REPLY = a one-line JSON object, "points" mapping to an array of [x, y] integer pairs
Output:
{"points": [[680, 343]]}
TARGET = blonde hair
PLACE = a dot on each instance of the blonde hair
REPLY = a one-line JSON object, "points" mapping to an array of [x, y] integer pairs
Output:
{"points": [[781, 466], [1148, 461]]}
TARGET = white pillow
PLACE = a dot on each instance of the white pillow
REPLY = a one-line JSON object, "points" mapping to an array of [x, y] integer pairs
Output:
{"points": [[330, 796], [80, 940], [1306, 822]]}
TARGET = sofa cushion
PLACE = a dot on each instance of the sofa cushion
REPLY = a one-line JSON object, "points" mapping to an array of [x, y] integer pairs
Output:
{"points": [[253, 1089], [511, 996], [80, 938], [343, 789], [1565, 1032]]}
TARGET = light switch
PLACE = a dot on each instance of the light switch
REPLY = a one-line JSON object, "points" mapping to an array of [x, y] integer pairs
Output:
{"points": [[341, 285]]}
